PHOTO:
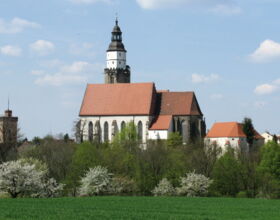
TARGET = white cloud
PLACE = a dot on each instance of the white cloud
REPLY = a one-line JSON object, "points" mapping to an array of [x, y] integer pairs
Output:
{"points": [[16, 25], [218, 6], [59, 79], [267, 51], [76, 73], [42, 47], [91, 1], [37, 72], [199, 78], [265, 89], [226, 9], [260, 104], [84, 49], [277, 82], [76, 67], [10, 50], [51, 63], [216, 96]]}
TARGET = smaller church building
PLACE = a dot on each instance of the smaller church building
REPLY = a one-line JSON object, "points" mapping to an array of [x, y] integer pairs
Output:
{"points": [[108, 107]]}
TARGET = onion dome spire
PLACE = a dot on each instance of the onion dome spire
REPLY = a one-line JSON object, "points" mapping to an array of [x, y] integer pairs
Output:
{"points": [[116, 40]]}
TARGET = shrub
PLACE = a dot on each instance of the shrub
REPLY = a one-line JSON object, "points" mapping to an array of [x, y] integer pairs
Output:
{"points": [[164, 188], [194, 185], [241, 194], [96, 182], [122, 186]]}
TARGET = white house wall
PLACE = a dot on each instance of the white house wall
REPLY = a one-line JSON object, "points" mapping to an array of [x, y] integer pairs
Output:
{"points": [[119, 119], [223, 142], [158, 134]]}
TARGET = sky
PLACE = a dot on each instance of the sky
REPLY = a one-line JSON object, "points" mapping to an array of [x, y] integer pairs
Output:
{"points": [[226, 51]]}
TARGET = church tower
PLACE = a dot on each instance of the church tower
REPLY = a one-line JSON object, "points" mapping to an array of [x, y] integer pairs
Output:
{"points": [[116, 70]]}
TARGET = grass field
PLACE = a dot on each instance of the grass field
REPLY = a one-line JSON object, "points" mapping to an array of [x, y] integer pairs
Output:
{"points": [[139, 208]]}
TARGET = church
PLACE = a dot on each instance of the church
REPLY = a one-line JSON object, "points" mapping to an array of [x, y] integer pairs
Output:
{"points": [[107, 108]]}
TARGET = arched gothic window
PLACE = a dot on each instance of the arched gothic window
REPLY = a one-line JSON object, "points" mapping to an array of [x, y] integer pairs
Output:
{"points": [[115, 128], [184, 131], [90, 131], [179, 126], [97, 132], [140, 131], [106, 132], [122, 125]]}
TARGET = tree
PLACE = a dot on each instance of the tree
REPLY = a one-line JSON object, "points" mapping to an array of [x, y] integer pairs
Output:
{"points": [[270, 159], [249, 131], [227, 174], [202, 157], [127, 137], [22, 178], [275, 138], [269, 169], [194, 185], [78, 129], [174, 140], [122, 186], [66, 138], [86, 155], [95, 182], [164, 188], [56, 154]]}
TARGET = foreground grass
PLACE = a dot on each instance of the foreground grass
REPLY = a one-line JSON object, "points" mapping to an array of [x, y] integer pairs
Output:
{"points": [[139, 208]]}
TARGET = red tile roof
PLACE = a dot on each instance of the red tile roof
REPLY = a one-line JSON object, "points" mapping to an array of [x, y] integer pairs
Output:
{"points": [[162, 122], [178, 103], [118, 99], [228, 129]]}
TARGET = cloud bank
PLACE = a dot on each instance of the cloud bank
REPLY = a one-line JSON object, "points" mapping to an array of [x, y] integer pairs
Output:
{"points": [[268, 88], [216, 6], [199, 78], [268, 50], [42, 47], [16, 25], [10, 50]]}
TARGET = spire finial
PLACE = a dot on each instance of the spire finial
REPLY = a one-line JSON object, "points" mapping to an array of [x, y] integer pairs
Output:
{"points": [[8, 102], [117, 19]]}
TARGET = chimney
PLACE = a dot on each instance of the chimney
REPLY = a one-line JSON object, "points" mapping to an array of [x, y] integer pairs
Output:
{"points": [[8, 113]]}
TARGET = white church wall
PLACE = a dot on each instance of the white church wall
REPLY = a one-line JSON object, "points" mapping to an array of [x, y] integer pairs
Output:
{"points": [[119, 119]]}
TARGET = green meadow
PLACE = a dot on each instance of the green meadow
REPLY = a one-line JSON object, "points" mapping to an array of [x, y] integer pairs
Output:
{"points": [[140, 208]]}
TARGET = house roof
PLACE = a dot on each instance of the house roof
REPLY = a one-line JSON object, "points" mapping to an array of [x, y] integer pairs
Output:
{"points": [[162, 122], [228, 129], [178, 103], [118, 99]]}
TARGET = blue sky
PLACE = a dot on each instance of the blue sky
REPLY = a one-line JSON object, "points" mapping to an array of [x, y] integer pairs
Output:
{"points": [[227, 51]]}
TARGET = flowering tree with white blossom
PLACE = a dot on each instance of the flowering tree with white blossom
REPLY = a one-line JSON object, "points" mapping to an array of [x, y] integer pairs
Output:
{"points": [[164, 188], [194, 185], [96, 182], [21, 178]]}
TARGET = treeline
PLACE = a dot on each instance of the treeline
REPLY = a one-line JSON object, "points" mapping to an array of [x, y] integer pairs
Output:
{"points": [[232, 173]]}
